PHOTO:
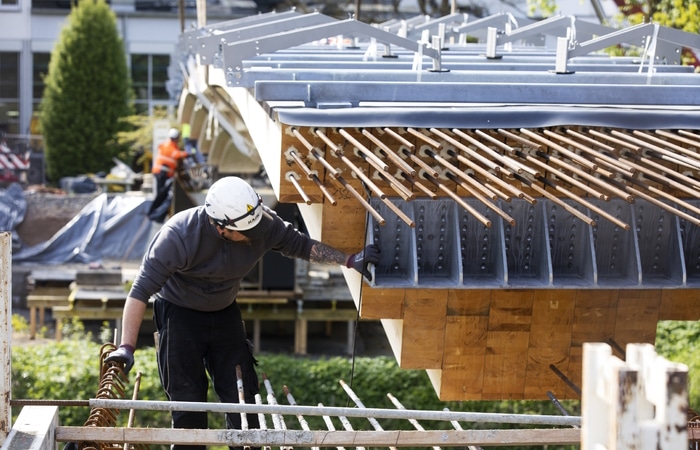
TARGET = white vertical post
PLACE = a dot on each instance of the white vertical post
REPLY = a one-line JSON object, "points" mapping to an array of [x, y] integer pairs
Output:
{"points": [[5, 333], [594, 425], [640, 404]]}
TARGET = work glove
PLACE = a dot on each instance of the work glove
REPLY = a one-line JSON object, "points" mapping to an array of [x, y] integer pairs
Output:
{"points": [[123, 355], [359, 261]]}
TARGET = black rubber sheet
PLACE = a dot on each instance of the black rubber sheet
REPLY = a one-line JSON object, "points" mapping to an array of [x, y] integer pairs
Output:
{"points": [[490, 116]]}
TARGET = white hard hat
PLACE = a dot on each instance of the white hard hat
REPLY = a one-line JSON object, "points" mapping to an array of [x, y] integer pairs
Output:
{"points": [[232, 203], [174, 133]]}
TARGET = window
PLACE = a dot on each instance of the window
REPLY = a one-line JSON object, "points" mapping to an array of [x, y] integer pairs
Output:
{"points": [[41, 69], [10, 4], [9, 92], [149, 74]]}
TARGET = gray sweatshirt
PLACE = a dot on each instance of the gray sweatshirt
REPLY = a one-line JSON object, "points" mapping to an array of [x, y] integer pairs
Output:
{"points": [[188, 263]]}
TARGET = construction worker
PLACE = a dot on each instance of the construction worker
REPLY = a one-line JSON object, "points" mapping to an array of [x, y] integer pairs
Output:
{"points": [[164, 167], [193, 270]]}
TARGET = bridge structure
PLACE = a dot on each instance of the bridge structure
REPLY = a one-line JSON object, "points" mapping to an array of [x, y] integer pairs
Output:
{"points": [[530, 193]]}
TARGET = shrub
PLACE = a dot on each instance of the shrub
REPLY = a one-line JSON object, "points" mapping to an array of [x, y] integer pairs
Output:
{"points": [[87, 93]]}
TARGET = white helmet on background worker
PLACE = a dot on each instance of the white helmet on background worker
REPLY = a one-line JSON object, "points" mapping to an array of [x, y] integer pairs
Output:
{"points": [[232, 203], [174, 133]]}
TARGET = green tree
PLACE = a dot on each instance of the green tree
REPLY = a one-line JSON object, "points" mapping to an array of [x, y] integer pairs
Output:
{"points": [[87, 92]]}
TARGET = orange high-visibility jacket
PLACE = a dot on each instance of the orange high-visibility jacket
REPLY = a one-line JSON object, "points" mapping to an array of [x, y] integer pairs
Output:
{"points": [[168, 156]]}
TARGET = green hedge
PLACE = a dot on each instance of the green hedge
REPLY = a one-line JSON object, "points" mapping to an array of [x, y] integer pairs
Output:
{"points": [[68, 370]]}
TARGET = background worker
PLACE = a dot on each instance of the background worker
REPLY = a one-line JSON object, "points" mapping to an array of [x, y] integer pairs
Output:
{"points": [[193, 269], [164, 167]]}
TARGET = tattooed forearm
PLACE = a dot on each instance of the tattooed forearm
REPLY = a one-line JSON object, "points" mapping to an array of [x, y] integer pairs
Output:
{"points": [[325, 254]]}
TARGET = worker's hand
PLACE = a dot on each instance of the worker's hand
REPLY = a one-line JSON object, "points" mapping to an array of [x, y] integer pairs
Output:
{"points": [[124, 355], [359, 261]]}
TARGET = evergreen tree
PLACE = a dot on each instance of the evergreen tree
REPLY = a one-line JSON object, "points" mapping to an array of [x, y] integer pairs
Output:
{"points": [[88, 92]]}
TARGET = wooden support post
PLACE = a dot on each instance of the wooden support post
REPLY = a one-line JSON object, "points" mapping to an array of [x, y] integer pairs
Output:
{"points": [[6, 333], [300, 336]]}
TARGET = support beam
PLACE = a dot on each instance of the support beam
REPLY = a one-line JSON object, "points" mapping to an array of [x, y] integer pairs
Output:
{"points": [[5, 333]]}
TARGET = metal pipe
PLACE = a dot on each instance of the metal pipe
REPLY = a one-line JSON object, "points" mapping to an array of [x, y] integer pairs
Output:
{"points": [[426, 139], [329, 424], [399, 138], [261, 418], [396, 159], [520, 139], [569, 179], [396, 185], [456, 170], [584, 218], [241, 396], [162, 405], [666, 154], [565, 151], [420, 163], [373, 421], [482, 199], [360, 199], [300, 417], [364, 150], [292, 178], [689, 153], [413, 422], [591, 141], [480, 217], [619, 142], [399, 213], [599, 157], [661, 178], [420, 186], [490, 164], [486, 174], [587, 204]]}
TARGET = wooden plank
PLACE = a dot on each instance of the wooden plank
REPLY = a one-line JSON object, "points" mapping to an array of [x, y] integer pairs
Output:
{"points": [[540, 378], [382, 303], [637, 316], [511, 310], [574, 373], [468, 302], [554, 307], [679, 304], [505, 365], [594, 316], [424, 328], [462, 374], [300, 438]]}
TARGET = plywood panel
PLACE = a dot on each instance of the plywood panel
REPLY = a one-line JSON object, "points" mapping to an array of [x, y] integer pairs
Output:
{"points": [[504, 371], [637, 316], [594, 316], [574, 374], [680, 304], [382, 303], [344, 224], [553, 307], [511, 310], [468, 302], [463, 383], [424, 328], [540, 377]]}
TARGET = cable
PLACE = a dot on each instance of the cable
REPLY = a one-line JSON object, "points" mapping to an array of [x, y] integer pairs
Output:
{"points": [[359, 303]]}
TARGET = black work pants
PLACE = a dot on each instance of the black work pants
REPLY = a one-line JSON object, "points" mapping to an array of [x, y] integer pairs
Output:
{"points": [[192, 344], [159, 208]]}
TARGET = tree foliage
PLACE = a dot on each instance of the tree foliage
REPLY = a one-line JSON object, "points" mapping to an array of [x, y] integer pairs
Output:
{"points": [[87, 92]]}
